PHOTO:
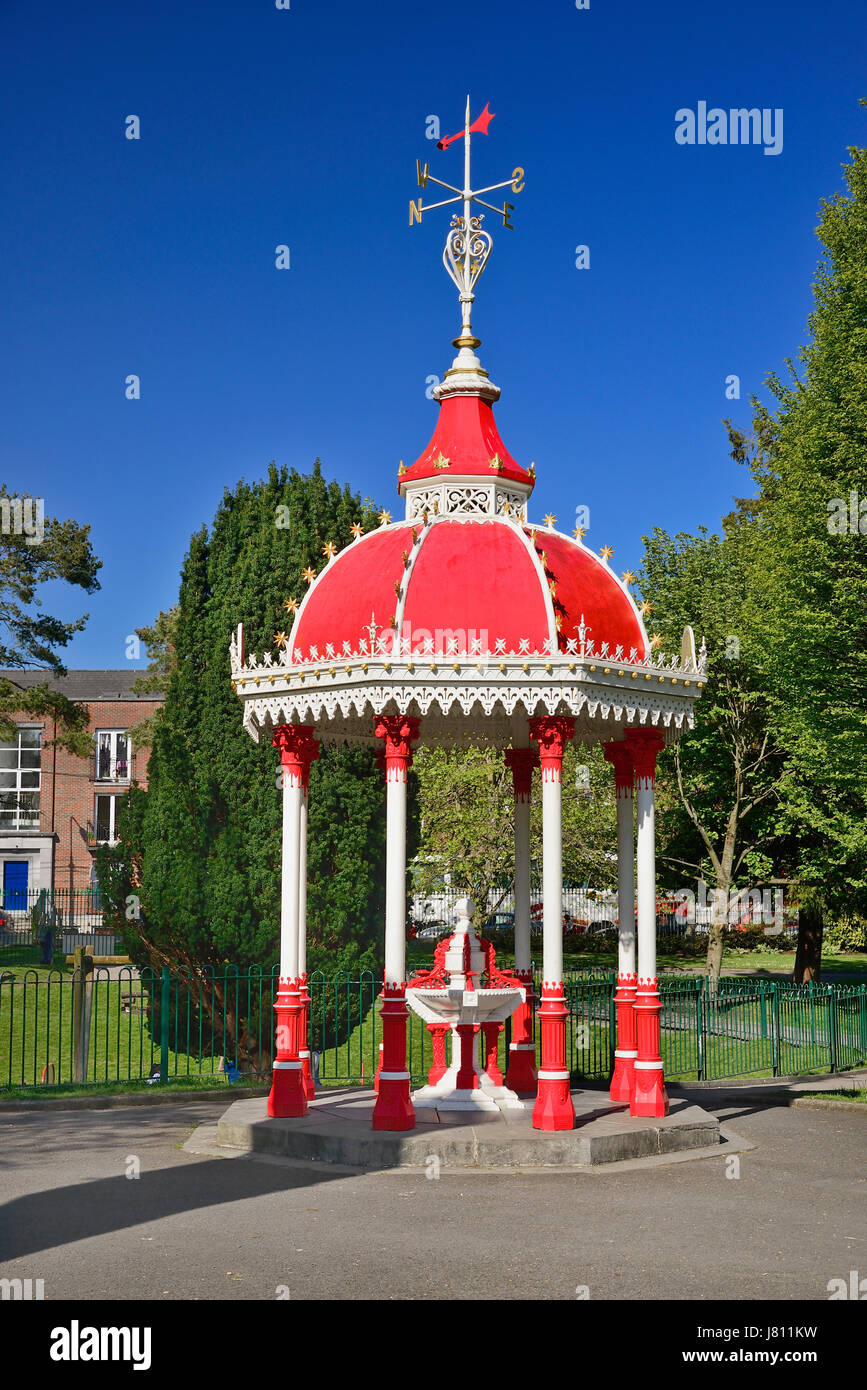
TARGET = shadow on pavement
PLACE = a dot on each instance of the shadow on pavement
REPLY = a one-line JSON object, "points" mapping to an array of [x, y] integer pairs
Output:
{"points": [[45, 1220]]}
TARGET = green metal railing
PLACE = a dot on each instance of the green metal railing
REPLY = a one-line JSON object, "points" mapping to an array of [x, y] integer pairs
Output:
{"points": [[739, 1027], [122, 1024]]}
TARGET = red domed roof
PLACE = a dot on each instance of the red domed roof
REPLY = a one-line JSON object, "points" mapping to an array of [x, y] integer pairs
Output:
{"points": [[465, 442], [464, 586]]}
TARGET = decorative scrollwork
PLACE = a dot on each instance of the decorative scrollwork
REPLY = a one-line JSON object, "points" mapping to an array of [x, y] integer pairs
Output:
{"points": [[465, 262], [468, 499], [422, 501]]}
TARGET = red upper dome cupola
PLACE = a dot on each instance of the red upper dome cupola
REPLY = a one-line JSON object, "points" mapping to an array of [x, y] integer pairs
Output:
{"points": [[466, 444]]}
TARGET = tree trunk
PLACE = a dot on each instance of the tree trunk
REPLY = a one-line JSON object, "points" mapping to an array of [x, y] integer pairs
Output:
{"points": [[715, 950], [718, 923], [808, 957]]}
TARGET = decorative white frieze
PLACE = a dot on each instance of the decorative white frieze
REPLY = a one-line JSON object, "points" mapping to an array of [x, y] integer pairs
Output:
{"points": [[465, 497]]}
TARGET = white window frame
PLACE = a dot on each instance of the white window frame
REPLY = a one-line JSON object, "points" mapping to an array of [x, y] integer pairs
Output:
{"points": [[114, 735], [35, 822], [112, 817]]}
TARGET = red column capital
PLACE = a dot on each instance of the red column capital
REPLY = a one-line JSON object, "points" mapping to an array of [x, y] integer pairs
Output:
{"points": [[298, 749], [644, 745], [552, 732], [399, 732], [620, 755], [522, 761]]}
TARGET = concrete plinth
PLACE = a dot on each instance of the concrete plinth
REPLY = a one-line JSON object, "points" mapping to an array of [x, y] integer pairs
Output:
{"points": [[337, 1130]]}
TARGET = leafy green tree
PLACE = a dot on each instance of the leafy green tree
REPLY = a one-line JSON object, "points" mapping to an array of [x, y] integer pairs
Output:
{"points": [[466, 823], [807, 608], [719, 787], [34, 550], [159, 639], [466, 808]]}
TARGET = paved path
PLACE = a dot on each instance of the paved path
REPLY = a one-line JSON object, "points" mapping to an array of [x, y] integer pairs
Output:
{"points": [[193, 1227]]}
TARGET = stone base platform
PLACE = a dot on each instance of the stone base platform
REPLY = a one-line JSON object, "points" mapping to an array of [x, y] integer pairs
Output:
{"points": [[336, 1130]]}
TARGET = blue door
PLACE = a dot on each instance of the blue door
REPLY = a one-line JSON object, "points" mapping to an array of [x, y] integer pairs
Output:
{"points": [[15, 885]]}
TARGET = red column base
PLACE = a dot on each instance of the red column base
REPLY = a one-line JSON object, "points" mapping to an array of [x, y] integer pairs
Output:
{"points": [[286, 1099], [623, 1079], [553, 1109], [521, 1070], [623, 1076], [394, 1109], [649, 1097]]}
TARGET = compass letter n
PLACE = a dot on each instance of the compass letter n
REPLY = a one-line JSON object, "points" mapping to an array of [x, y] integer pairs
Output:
{"points": [[414, 211]]}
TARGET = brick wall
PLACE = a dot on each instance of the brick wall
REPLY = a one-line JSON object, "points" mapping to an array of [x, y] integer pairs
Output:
{"points": [[63, 848], [67, 806]]}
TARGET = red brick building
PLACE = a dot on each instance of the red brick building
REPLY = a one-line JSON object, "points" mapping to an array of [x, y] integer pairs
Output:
{"points": [[56, 808]]}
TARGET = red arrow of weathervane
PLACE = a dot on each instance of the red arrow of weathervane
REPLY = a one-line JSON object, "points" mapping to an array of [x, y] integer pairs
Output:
{"points": [[480, 125]]}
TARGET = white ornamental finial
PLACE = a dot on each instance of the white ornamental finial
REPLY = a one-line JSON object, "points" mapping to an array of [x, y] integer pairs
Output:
{"points": [[467, 246]]}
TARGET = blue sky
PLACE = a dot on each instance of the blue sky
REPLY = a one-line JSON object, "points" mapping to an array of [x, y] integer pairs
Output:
{"points": [[262, 127]]}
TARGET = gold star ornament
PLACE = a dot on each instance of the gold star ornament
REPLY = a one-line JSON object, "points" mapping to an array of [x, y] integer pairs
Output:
{"points": [[549, 519], [656, 640], [606, 552], [308, 574], [644, 608], [627, 577], [291, 605], [329, 549], [357, 530], [384, 518], [580, 532], [281, 638]]}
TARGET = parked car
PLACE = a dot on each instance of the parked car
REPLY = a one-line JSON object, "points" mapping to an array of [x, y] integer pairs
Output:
{"points": [[499, 921]]}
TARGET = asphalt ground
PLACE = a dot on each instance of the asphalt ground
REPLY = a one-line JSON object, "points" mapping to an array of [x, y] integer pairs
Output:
{"points": [[780, 1223]]}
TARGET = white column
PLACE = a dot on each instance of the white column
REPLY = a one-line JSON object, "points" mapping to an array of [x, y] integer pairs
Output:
{"points": [[552, 878], [395, 877], [523, 959], [289, 886], [625, 883], [646, 869], [302, 884]]}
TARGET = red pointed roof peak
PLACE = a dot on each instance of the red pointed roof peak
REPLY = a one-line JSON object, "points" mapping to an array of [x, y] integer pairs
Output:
{"points": [[465, 444]]}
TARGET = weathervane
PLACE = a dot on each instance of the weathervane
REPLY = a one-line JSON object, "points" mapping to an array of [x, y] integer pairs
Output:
{"points": [[468, 245]]}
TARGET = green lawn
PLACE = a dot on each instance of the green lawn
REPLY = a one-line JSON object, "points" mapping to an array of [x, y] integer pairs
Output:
{"points": [[36, 1031]]}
